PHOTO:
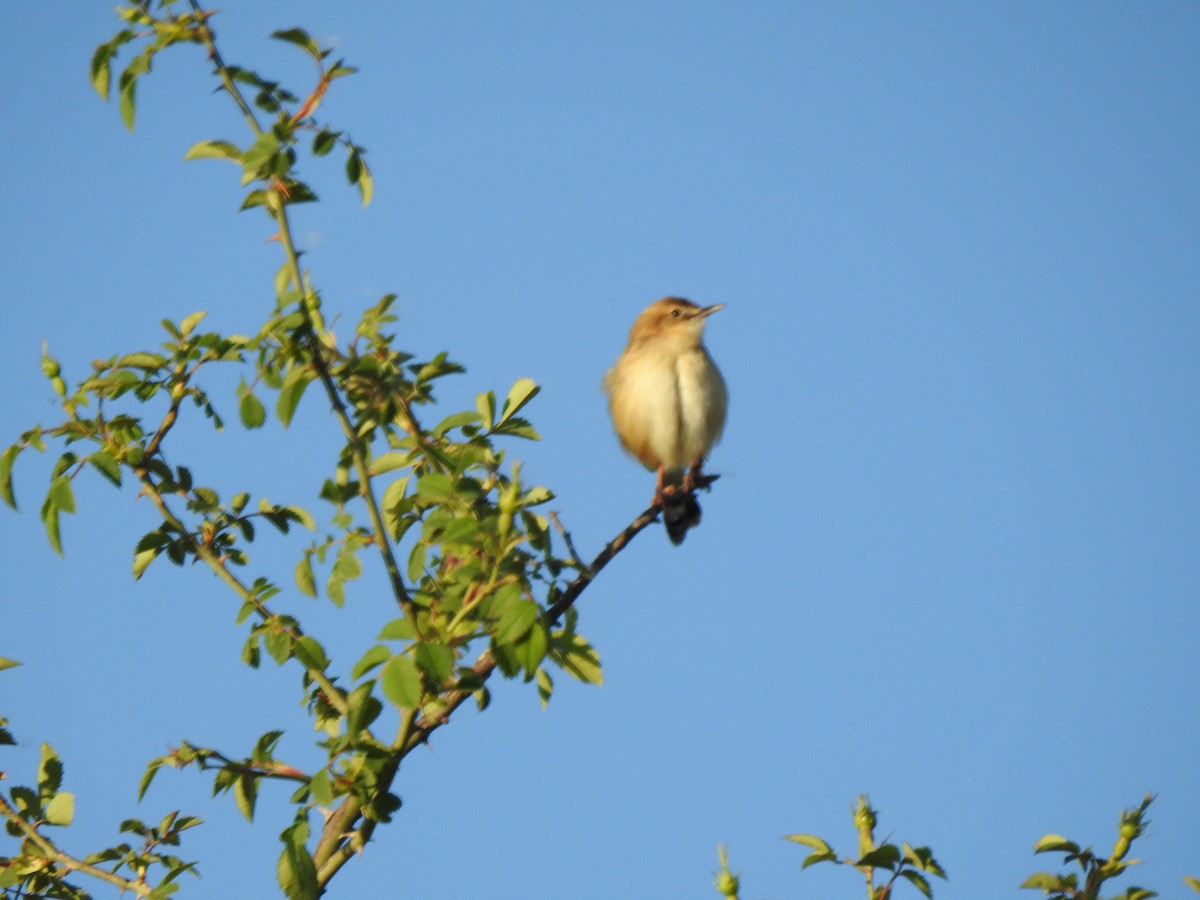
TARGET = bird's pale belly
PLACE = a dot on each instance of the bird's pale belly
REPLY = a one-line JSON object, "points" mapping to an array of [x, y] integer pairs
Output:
{"points": [[674, 413]]}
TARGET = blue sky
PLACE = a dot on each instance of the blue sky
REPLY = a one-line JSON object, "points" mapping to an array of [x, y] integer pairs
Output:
{"points": [[953, 558]]}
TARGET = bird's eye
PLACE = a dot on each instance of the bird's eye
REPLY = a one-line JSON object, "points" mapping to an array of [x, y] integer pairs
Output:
{"points": [[675, 314]]}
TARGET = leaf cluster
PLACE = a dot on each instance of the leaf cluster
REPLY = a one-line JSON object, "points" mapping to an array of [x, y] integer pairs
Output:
{"points": [[913, 864], [477, 584]]}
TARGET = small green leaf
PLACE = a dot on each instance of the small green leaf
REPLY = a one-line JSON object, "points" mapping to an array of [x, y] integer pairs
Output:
{"points": [[389, 462], [6, 663], [1055, 842], [435, 660], [1193, 883], [397, 630], [1048, 882], [579, 658], [532, 650], [61, 809], [188, 325], [521, 393], [545, 687], [813, 858], [919, 881], [252, 411], [245, 795], [294, 385], [401, 682], [358, 173], [518, 427], [486, 405], [377, 655], [310, 653], [213, 150], [324, 141], [321, 788], [296, 872], [300, 38], [255, 159], [7, 458], [107, 466], [142, 559], [515, 622], [809, 840], [455, 421], [884, 857], [50, 772], [306, 581], [127, 101], [101, 73]]}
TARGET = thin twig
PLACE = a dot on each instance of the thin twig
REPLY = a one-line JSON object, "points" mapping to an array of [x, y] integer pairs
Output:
{"points": [[48, 848], [566, 536]]}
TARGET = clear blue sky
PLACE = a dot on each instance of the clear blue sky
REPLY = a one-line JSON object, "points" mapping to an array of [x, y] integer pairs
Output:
{"points": [[954, 559]]}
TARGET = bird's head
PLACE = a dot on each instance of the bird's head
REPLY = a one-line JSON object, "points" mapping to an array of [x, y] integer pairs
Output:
{"points": [[674, 318]]}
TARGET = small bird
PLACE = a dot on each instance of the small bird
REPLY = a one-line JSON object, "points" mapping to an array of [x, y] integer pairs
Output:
{"points": [[668, 402]]}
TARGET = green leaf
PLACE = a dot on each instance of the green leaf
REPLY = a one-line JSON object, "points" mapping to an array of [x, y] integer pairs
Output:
{"points": [[813, 858], [252, 411], [515, 622], [255, 159], [1055, 842], [579, 658], [306, 581], [455, 421], [545, 687], [127, 101], [535, 497], [295, 871], [101, 73], [107, 466], [809, 840], [324, 142], [7, 458], [521, 393], [143, 558], [321, 788], [435, 660], [884, 857], [310, 653], [188, 325], [1048, 882], [919, 881], [58, 497], [1193, 883], [358, 173], [532, 650], [61, 809], [6, 663], [922, 858], [397, 630], [151, 362], [300, 38], [372, 658], [294, 385], [401, 682], [389, 462], [486, 405], [245, 795], [50, 772], [213, 150]]}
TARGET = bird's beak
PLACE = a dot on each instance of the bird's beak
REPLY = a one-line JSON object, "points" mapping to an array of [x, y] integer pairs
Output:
{"points": [[709, 310]]}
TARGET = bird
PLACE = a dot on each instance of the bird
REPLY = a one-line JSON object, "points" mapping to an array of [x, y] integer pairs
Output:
{"points": [[668, 402]]}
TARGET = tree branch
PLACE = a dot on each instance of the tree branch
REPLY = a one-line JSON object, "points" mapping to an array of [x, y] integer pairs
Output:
{"points": [[48, 848]]}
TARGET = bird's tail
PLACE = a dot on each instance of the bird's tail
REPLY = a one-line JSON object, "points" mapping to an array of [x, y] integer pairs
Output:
{"points": [[680, 509]]}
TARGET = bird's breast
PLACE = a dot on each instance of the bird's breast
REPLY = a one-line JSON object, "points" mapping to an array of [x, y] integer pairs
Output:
{"points": [[668, 407]]}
